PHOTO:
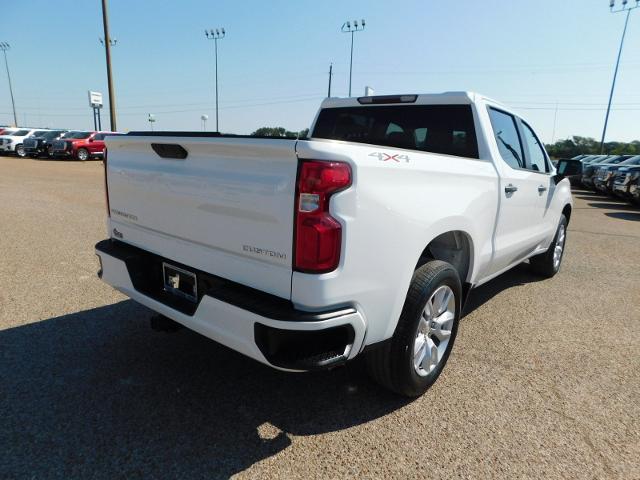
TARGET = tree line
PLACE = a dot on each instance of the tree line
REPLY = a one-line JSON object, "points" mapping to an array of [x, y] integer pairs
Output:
{"points": [[279, 132], [570, 147]]}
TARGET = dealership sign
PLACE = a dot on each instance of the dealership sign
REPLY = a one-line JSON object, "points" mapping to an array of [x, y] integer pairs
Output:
{"points": [[95, 99]]}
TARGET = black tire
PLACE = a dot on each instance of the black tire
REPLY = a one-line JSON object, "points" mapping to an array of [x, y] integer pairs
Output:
{"points": [[83, 154], [391, 365], [544, 264], [20, 151]]}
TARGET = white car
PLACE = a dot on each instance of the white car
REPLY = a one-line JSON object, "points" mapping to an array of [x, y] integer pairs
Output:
{"points": [[364, 239], [11, 142]]}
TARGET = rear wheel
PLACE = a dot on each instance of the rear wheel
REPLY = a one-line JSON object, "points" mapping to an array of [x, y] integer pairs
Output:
{"points": [[83, 154], [414, 357], [548, 263], [20, 151]]}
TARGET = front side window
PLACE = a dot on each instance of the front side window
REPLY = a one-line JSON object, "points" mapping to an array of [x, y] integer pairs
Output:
{"points": [[507, 137], [20, 133], [537, 160], [444, 129], [99, 136]]}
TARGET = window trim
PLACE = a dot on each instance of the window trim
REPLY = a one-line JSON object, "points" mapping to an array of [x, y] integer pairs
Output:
{"points": [[528, 156], [517, 126]]}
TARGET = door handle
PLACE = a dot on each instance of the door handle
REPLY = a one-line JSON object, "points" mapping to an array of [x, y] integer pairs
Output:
{"points": [[510, 189], [542, 189]]}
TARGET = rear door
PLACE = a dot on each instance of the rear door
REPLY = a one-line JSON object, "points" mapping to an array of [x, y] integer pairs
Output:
{"points": [[518, 229], [226, 208]]}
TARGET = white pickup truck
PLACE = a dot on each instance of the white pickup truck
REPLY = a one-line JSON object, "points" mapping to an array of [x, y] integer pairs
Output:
{"points": [[363, 239]]}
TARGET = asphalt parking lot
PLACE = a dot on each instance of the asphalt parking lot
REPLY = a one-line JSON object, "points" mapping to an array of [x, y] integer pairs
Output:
{"points": [[544, 379]]}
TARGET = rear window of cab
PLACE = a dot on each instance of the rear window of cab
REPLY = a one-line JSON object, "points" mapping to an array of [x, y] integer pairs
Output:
{"points": [[444, 129]]}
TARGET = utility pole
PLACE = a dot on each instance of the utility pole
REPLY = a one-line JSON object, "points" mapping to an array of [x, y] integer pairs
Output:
{"points": [[348, 27], [107, 49], [330, 75], [4, 46], [216, 35], [623, 8]]}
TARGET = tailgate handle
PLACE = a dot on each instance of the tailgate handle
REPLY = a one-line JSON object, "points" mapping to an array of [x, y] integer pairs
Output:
{"points": [[169, 150]]}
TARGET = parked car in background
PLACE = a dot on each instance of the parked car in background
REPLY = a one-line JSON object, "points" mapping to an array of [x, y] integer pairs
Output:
{"points": [[634, 186], [589, 159], [80, 145], [20, 149], [12, 142], [604, 175], [626, 178], [39, 143], [589, 170]]}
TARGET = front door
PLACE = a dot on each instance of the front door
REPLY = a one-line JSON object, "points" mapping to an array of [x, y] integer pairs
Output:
{"points": [[518, 228]]}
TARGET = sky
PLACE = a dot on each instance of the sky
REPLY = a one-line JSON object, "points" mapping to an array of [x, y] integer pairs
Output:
{"points": [[552, 60]]}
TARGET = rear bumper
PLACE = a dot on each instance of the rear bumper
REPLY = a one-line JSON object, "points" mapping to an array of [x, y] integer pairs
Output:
{"points": [[261, 326]]}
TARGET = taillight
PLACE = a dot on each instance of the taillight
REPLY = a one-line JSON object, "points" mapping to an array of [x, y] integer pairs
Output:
{"points": [[106, 185], [318, 235]]}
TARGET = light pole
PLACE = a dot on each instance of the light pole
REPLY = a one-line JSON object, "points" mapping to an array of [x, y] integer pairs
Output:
{"points": [[4, 46], [215, 35], [152, 120], [204, 119], [348, 27], [107, 49], [624, 8], [112, 41]]}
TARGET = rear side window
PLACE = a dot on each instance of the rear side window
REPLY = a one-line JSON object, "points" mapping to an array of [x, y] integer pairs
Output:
{"points": [[507, 137], [537, 160], [446, 129]]}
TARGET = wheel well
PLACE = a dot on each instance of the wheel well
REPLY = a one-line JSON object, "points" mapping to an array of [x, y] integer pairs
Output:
{"points": [[452, 247], [566, 211]]}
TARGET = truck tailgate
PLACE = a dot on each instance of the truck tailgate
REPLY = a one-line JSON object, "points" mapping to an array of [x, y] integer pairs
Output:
{"points": [[227, 208]]}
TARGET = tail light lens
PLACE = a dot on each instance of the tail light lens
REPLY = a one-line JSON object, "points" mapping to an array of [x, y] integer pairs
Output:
{"points": [[106, 185], [318, 236]]}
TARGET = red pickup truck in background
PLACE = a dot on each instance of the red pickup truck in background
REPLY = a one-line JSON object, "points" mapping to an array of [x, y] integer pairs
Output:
{"points": [[80, 145]]}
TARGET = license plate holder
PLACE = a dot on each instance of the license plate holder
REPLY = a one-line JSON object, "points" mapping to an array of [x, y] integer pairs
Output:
{"points": [[180, 282]]}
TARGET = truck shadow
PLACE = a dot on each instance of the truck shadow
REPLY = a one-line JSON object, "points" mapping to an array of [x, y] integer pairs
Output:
{"points": [[632, 216], [517, 276], [98, 394]]}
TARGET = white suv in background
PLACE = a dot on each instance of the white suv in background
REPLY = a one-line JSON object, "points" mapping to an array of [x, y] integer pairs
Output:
{"points": [[12, 142]]}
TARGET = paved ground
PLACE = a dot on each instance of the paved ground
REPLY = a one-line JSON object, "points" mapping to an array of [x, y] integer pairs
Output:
{"points": [[544, 380]]}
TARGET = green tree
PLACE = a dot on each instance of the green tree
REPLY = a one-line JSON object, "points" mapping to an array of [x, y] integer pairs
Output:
{"points": [[576, 145], [280, 132]]}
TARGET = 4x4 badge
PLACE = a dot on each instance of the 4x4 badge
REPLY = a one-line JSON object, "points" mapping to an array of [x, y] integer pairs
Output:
{"points": [[386, 157]]}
